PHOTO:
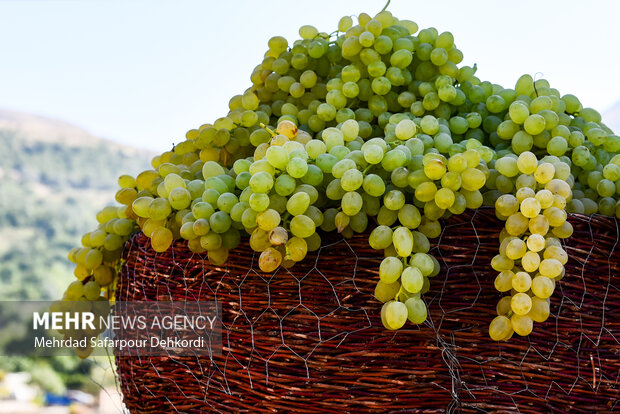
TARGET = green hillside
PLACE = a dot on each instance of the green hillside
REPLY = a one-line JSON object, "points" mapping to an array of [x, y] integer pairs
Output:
{"points": [[54, 177]]}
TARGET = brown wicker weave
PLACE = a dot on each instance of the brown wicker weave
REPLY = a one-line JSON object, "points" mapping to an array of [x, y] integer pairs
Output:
{"points": [[310, 340]]}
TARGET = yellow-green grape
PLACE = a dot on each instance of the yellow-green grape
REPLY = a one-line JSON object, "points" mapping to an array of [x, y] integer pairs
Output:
{"points": [[424, 262], [405, 129], [211, 241], [92, 290], [515, 249], [434, 168], [93, 259], [409, 216], [507, 166], [425, 192], [126, 196], [530, 207], [288, 128], [259, 240], [527, 162], [159, 209], [524, 193], [535, 242], [525, 180], [540, 309], [394, 315], [500, 328], [386, 291], [530, 262], [545, 198], [550, 268], [187, 231], [521, 324], [412, 279], [539, 225], [126, 181], [503, 281], [444, 198], [472, 179], [507, 205], [218, 256], [544, 173], [521, 282], [269, 219], [504, 243], [416, 309], [390, 269], [296, 249], [74, 291], [555, 216], [564, 231], [402, 239], [200, 227], [517, 224], [302, 226], [501, 263], [503, 306], [543, 287], [103, 275], [561, 188], [521, 303], [380, 237], [556, 252], [269, 260], [161, 239], [473, 199]]}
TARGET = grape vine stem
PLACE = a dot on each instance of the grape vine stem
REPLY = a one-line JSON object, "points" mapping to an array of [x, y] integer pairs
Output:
{"points": [[386, 6]]}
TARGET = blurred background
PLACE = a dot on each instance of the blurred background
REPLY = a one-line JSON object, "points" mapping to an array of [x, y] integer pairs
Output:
{"points": [[91, 89]]}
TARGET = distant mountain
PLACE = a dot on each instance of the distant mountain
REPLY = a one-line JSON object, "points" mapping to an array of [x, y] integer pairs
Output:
{"points": [[54, 177], [611, 117]]}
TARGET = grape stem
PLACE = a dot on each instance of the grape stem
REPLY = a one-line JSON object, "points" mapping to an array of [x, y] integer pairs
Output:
{"points": [[273, 134], [398, 293], [386, 6]]}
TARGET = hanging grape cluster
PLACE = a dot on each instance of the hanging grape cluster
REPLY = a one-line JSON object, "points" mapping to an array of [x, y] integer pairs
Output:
{"points": [[374, 128]]}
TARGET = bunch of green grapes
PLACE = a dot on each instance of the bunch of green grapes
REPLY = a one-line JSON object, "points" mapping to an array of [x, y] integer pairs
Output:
{"points": [[374, 129], [531, 258]]}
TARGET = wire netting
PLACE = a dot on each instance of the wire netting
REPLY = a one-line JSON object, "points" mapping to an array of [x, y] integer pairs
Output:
{"points": [[310, 339]]}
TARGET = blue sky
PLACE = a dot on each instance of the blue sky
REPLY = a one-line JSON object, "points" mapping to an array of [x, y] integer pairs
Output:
{"points": [[144, 72]]}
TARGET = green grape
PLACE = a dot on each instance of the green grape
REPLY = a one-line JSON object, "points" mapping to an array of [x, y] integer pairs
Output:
{"points": [[394, 315], [472, 179], [423, 262], [298, 203], [352, 180], [403, 241], [521, 282], [261, 182], [426, 191], [161, 239], [543, 287], [416, 310], [74, 291], [444, 198], [500, 328], [390, 270], [521, 324], [352, 203], [530, 261], [503, 281], [521, 304], [296, 249], [269, 219], [386, 291], [394, 200], [550, 268], [540, 309], [412, 279], [380, 237], [409, 216], [302, 226]]}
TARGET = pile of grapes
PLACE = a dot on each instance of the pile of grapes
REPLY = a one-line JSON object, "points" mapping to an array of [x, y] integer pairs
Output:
{"points": [[373, 129]]}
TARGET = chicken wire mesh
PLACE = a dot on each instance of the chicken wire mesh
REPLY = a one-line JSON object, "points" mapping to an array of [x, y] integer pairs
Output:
{"points": [[310, 338]]}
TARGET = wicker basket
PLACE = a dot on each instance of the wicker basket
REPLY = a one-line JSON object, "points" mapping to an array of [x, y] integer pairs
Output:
{"points": [[310, 339]]}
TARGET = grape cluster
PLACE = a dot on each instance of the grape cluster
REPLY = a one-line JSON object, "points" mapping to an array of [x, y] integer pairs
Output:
{"points": [[531, 258], [375, 129]]}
